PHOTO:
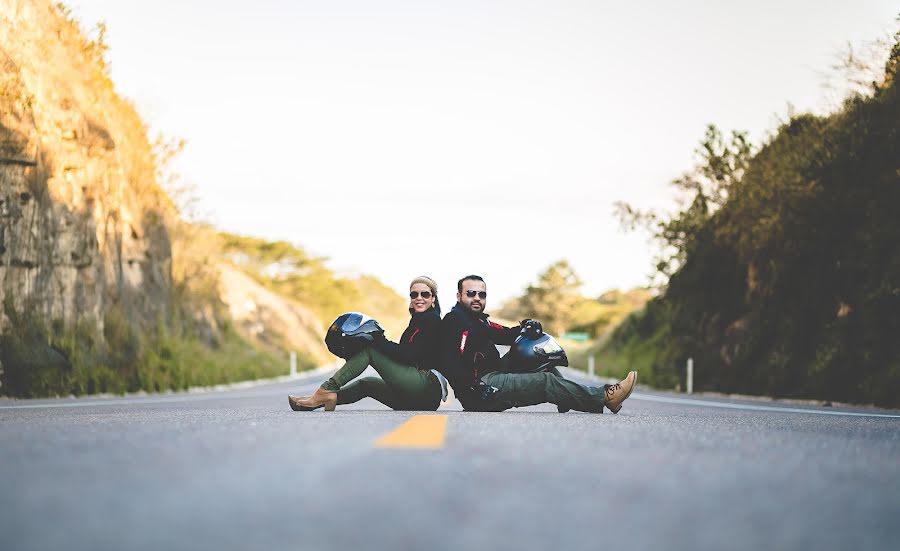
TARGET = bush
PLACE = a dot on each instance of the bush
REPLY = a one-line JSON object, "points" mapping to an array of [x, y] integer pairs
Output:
{"points": [[41, 359]]}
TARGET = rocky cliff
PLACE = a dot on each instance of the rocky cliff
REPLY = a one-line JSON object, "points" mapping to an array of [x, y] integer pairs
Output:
{"points": [[82, 220], [104, 288]]}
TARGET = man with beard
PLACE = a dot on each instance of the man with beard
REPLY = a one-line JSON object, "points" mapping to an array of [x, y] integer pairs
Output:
{"points": [[473, 366]]}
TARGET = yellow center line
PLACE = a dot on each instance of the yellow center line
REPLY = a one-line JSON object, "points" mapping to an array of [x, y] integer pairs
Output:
{"points": [[420, 431]]}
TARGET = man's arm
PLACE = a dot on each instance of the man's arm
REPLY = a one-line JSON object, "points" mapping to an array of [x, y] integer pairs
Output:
{"points": [[500, 334]]}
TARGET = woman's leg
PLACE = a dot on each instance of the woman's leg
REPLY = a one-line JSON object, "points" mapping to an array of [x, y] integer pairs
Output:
{"points": [[367, 387], [411, 388], [405, 386], [326, 394], [351, 369]]}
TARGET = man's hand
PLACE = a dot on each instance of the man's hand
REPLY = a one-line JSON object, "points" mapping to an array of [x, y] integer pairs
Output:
{"points": [[532, 329], [485, 391]]}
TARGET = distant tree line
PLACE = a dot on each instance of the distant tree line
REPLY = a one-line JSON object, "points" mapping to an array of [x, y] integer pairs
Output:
{"points": [[556, 299]]}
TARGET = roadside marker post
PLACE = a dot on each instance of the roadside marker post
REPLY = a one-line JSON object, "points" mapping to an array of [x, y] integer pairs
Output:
{"points": [[690, 376], [591, 366], [293, 363]]}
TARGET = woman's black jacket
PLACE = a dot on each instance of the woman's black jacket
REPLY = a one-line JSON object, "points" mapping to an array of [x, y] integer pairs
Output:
{"points": [[418, 345]]}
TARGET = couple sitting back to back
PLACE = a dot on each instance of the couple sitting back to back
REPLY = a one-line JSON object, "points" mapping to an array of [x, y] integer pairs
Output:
{"points": [[460, 349]]}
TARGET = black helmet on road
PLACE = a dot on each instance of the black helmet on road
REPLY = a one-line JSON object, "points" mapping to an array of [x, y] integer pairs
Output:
{"points": [[349, 334], [532, 355]]}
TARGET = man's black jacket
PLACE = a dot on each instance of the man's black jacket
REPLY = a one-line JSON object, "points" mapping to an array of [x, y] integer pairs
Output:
{"points": [[468, 351]]}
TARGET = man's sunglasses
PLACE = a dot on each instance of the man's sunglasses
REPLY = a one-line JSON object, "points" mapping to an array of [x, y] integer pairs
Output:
{"points": [[481, 294], [415, 294]]}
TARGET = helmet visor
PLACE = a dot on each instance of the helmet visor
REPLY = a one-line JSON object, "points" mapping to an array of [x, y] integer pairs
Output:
{"points": [[353, 322], [547, 346]]}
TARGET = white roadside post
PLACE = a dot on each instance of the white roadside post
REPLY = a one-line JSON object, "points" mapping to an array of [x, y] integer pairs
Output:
{"points": [[690, 376], [591, 366], [293, 363]]}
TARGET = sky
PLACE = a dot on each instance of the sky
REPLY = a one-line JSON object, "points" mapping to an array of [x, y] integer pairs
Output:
{"points": [[449, 138]]}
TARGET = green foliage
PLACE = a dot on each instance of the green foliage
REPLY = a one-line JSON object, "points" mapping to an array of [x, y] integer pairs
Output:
{"points": [[383, 303], [643, 342], [792, 286], [591, 317], [557, 302], [554, 296], [289, 271], [704, 190], [28, 360], [170, 337], [79, 361], [95, 49], [179, 363], [598, 316]]}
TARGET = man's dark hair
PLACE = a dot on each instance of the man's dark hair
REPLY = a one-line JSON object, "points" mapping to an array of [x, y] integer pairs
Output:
{"points": [[472, 277]]}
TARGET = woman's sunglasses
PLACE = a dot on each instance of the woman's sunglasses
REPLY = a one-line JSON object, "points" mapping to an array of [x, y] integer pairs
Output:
{"points": [[481, 294], [415, 294]]}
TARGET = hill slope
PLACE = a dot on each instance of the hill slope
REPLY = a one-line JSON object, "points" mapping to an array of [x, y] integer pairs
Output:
{"points": [[104, 287], [792, 288]]}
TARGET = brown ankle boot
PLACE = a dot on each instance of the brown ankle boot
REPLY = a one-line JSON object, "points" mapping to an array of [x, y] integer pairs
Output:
{"points": [[321, 398], [616, 394]]}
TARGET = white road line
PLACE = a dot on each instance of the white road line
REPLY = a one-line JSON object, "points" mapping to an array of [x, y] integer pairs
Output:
{"points": [[131, 402], [207, 393], [573, 373], [729, 405], [634, 396]]}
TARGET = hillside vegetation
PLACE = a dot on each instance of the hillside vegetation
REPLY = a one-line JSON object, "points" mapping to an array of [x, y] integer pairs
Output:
{"points": [[289, 271], [105, 287], [556, 299], [582, 322], [784, 265]]}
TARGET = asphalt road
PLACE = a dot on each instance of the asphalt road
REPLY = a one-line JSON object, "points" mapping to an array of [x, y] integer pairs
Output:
{"points": [[238, 470]]}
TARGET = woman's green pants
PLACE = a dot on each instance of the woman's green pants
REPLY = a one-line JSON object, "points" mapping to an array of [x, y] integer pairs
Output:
{"points": [[400, 386]]}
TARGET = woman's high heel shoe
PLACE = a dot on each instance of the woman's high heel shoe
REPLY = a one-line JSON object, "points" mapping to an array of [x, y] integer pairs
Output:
{"points": [[321, 398]]}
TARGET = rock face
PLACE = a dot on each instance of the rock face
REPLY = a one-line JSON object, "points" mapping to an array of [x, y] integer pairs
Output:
{"points": [[82, 220], [258, 313], [103, 288]]}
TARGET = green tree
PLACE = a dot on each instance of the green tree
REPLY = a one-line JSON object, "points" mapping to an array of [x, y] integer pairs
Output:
{"points": [[704, 190], [554, 297], [783, 276]]}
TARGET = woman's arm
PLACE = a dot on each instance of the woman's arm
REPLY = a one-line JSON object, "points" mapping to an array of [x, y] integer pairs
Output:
{"points": [[417, 343], [392, 350]]}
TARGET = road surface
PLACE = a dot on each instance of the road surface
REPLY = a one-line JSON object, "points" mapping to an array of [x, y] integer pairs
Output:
{"points": [[238, 469]]}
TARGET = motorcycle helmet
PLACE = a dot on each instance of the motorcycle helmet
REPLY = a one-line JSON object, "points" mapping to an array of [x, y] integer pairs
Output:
{"points": [[349, 334], [532, 355]]}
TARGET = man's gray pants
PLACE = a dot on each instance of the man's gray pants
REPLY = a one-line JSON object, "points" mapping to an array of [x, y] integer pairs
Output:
{"points": [[529, 389]]}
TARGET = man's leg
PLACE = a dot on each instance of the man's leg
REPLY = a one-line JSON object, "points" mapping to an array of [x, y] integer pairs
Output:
{"points": [[529, 389]]}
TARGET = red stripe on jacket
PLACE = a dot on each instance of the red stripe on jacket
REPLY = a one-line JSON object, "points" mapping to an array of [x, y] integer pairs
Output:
{"points": [[462, 342]]}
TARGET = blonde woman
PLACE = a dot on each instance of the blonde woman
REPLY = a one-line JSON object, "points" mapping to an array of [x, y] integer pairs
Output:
{"points": [[408, 368]]}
